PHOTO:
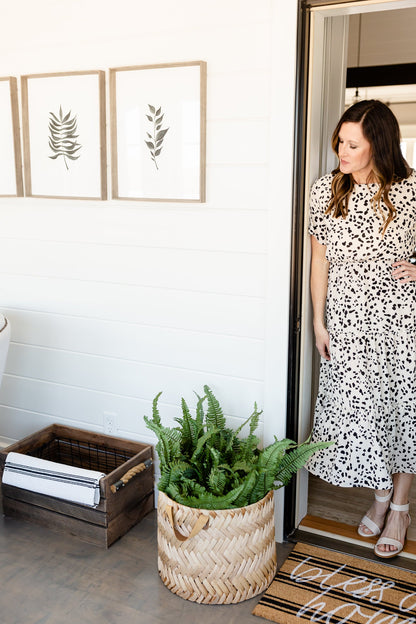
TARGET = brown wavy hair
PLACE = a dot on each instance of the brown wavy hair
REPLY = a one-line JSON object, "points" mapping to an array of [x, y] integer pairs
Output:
{"points": [[381, 129]]}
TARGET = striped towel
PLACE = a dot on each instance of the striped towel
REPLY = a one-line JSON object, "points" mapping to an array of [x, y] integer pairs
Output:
{"points": [[59, 480]]}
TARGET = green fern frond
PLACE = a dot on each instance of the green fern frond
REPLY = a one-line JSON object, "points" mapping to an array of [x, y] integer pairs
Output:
{"points": [[254, 423], [217, 480], [271, 456], [253, 419], [295, 460], [174, 473], [214, 417], [245, 494], [243, 465], [168, 445], [249, 447], [187, 442], [264, 483], [202, 441], [200, 415], [210, 501], [164, 481], [216, 456], [155, 410]]}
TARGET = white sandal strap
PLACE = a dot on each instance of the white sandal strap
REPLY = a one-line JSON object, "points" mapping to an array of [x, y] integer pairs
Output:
{"points": [[388, 541], [370, 524], [395, 507], [383, 499]]}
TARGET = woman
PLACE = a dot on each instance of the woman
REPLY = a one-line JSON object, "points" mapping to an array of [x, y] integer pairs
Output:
{"points": [[363, 232]]}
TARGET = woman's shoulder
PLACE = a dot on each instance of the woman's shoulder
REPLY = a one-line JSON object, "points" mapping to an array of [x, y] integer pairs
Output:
{"points": [[323, 182], [322, 186], [406, 184], [411, 178]]}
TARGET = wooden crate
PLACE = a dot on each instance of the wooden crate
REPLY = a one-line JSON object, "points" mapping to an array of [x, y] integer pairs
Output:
{"points": [[118, 510]]}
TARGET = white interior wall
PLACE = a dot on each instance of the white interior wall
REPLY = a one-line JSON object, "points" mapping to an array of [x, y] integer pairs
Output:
{"points": [[110, 302], [387, 38]]}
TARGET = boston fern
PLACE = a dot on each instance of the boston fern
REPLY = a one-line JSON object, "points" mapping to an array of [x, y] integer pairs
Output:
{"points": [[205, 464]]}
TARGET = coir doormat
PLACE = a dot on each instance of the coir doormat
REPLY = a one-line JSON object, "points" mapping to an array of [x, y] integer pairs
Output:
{"points": [[318, 585]]}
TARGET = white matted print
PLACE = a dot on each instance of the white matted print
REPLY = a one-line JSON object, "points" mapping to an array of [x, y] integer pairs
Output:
{"points": [[11, 179], [64, 135], [158, 120]]}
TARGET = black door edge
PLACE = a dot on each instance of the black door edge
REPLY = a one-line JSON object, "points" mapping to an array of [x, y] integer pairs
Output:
{"points": [[295, 305]]}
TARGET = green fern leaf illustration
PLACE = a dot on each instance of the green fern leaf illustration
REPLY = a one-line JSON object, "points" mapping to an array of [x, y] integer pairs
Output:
{"points": [[156, 138], [63, 137]]}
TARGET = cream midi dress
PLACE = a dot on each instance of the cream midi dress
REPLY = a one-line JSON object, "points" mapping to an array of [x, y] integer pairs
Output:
{"points": [[367, 391]]}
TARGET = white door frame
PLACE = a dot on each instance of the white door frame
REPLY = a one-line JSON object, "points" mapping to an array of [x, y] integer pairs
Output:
{"points": [[327, 56]]}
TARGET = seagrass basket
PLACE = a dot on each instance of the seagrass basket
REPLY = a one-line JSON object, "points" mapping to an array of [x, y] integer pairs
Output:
{"points": [[216, 556]]}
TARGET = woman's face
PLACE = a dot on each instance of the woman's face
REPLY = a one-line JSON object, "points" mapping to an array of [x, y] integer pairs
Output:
{"points": [[354, 152]]}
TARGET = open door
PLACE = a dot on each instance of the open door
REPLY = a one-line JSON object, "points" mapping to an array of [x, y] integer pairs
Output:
{"points": [[327, 82], [326, 35]]}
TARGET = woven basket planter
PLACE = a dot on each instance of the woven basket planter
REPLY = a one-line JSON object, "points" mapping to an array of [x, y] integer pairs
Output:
{"points": [[216, 556]]}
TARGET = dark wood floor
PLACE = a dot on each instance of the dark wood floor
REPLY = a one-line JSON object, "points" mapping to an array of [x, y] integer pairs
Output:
{"points": [[347, 504], [47, 578]]}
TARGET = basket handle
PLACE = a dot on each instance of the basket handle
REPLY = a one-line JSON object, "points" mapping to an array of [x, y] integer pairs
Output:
{"points": [[201, 523], [130, 474]]}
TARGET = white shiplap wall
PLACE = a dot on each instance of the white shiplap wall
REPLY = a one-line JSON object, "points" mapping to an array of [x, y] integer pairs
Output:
{"points": [[110, 302]]}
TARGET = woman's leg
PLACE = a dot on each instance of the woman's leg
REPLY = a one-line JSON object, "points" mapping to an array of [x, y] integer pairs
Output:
{"points": [[397, 522], [377, 512]]}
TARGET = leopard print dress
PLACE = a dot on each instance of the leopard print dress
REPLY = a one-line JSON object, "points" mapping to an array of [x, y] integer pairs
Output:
{"points": [[367, 391]]}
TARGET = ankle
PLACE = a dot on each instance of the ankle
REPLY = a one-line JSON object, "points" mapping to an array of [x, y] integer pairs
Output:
{"points": [[383, 496], [399, 505]]}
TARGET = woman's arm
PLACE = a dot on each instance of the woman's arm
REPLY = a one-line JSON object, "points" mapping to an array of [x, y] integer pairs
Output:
{"points": [[319, 287]]}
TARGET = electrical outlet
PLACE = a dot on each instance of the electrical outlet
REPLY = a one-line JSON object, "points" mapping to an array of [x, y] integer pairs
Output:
{"points": [[109, 420]]}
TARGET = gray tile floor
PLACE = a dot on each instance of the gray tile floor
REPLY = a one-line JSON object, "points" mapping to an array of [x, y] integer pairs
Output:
{"points": [[48, 578]]}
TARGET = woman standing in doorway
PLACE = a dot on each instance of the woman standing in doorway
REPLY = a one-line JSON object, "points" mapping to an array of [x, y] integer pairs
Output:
{"points": [[363, 286]]}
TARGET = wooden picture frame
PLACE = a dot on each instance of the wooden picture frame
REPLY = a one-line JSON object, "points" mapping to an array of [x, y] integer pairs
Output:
{"points": [[64, 135], [11, 175], [158, 132]]}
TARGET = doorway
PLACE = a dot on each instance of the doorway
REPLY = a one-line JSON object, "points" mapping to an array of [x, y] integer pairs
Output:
{"points": [[332, 34]]}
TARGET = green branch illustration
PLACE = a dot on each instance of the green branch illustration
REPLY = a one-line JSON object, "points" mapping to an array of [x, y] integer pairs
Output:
{"points": [[155, 143], [62, 137]]}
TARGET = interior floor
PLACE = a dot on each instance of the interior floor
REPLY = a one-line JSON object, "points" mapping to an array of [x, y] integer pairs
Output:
{"points": [[49, 578], [347, 505]]}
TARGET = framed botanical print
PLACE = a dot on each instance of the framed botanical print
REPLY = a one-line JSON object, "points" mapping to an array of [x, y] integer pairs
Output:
{"points": [[158, 129], [11, 179], [64, 135]]}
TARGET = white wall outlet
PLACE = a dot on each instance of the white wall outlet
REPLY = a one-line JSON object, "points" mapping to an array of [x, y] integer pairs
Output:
{"points": [[109, 421]]}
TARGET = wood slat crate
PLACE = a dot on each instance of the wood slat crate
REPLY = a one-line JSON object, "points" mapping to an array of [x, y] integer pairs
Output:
{"points": [[121, 505]]}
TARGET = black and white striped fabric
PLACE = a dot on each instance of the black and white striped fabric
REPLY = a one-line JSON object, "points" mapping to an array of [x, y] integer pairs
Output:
{"points": [[77, 485]]}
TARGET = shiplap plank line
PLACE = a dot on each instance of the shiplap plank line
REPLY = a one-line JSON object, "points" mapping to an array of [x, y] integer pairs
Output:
{"points": [[88, 405], [210, 229], [78, 369], [219, 272], [49, 327], [25, 423], [121, 341], [214, 313]]}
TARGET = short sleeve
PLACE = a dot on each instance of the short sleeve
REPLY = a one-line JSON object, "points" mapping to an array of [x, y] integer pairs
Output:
{"points": [[318, 203]]}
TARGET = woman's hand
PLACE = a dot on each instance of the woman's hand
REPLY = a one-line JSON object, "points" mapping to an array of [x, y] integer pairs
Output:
{"points": [[404, 271], [322, 342]]}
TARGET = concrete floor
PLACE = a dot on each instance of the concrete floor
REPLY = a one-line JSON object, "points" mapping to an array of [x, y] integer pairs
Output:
{"points": [[48, 578]]}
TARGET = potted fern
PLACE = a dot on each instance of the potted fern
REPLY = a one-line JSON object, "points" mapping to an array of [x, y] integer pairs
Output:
{"points": [[212, 478]]}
